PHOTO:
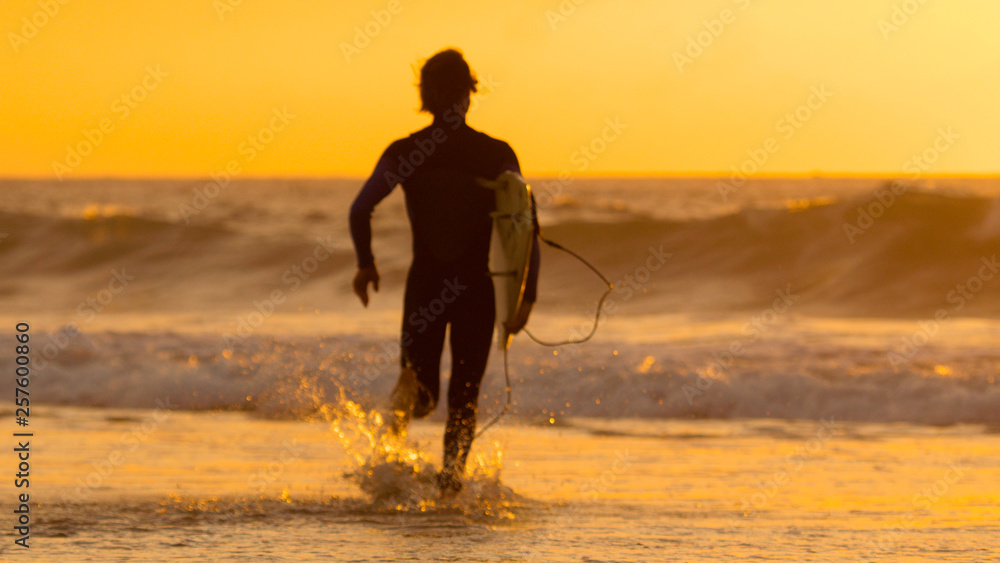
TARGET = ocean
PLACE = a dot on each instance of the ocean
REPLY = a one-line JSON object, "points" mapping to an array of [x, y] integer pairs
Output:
{"points": [[787, 369]]}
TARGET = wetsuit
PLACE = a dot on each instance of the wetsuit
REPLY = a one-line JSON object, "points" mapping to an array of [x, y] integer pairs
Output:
{"points": [[448, 281]]}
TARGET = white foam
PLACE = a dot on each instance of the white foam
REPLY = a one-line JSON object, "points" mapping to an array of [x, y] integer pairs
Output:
{"points": [[789, 376]]}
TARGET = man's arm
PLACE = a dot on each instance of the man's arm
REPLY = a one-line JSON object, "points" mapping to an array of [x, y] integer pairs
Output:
{"points": [[510, 160], [379, 185]]}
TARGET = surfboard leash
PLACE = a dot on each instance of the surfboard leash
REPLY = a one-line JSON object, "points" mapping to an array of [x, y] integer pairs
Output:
{"points": [[593, 330], [600, 302], [507, 404]]}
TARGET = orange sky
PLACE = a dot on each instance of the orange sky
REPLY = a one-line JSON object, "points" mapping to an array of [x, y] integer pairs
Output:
{"points": [[212, 72]]}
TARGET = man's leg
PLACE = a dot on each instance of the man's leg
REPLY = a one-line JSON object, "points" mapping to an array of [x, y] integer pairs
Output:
{"points": [[417, 390], [471, 336]]}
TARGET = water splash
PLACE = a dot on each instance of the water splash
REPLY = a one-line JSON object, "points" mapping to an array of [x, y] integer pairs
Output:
{"points": [[398, 477]]}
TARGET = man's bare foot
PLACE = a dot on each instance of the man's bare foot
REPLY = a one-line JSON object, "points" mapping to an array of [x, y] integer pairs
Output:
{"points": [[403, 401], [449, 483]]}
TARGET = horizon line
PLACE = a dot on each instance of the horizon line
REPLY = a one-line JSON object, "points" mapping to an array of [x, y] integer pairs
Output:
{"points": [[694, 175]]}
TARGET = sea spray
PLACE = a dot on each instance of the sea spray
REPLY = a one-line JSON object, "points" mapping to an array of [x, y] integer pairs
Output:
{"points": [[397, 476]]}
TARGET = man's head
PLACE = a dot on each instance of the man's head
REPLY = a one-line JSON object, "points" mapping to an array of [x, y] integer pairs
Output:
{"points": [[446, 82]]}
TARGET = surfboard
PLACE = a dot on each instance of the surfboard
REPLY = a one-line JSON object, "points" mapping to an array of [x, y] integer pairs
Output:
{"points": [[510, 252]]}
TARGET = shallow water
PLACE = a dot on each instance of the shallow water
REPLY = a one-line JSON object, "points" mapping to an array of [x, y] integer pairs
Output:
{"points": [[232, 487]]}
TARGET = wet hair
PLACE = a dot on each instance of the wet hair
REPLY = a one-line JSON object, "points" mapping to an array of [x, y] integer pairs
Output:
{"points": [[445, 81]]}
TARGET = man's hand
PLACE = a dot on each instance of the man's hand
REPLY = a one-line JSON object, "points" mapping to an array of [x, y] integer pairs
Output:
{"points": [[364, 277]]}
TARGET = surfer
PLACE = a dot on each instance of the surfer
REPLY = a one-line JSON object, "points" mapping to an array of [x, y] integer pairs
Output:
{"points": [[448, 282]]}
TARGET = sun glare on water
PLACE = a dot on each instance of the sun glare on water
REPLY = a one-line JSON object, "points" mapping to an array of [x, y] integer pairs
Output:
{"points": [[398, 477]]}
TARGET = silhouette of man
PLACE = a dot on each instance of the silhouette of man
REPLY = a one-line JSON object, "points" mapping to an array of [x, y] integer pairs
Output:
{"points": [[448, 282]]}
